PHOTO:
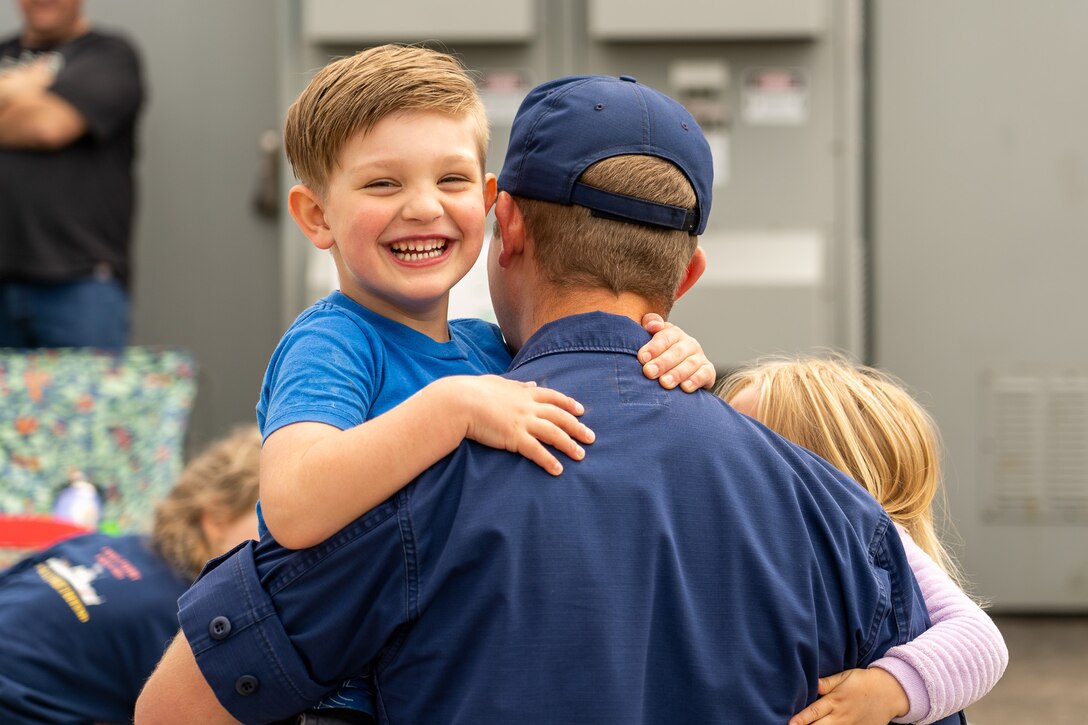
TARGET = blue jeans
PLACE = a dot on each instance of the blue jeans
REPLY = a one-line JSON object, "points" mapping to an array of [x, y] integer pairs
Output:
{"points": [[91, 312]]}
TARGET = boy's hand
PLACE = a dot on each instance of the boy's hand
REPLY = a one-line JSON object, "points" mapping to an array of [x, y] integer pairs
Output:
{"points": [[857, 697], [673, 357], [521, 418]]}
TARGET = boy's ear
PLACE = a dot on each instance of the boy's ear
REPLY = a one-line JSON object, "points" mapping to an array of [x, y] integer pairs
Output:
{"points": [[308, 212], [695, 270], [511, 228], [491, 190]]}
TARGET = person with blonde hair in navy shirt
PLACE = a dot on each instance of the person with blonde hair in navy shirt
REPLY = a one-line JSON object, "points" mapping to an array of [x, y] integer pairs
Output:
{"points": [[85, 621]]}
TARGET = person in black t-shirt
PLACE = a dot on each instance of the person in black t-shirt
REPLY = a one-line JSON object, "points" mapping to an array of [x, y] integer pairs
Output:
{"points": [[69, 100]]}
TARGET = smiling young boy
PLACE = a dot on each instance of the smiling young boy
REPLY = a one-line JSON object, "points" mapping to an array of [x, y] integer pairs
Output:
{"points": [[372, 384]]}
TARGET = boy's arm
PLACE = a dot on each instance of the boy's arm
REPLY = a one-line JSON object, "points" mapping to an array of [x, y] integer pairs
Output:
{"points": [[315, 478], [673, 357]]}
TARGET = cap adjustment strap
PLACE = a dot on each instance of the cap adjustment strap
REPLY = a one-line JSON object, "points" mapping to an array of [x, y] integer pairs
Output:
{"points": [[620, 207]]}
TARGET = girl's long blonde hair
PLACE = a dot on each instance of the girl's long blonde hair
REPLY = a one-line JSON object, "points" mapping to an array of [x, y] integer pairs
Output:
{"points": [[222, 482], [862, 421]]}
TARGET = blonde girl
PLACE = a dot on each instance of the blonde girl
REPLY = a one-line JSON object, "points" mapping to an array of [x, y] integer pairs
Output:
{"points": [[865, 423]]}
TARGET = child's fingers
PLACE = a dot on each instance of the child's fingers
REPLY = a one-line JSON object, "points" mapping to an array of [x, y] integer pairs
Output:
{"points": [[704, 377], [683, 371], [667, 358], [560, 429], [678, 365], [653, 322], [532, 449], [829, 683], [663, 341], [559, 400], [812, 713], [532, 446], [560, 439]]}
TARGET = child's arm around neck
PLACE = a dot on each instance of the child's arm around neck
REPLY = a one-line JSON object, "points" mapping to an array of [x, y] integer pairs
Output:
{"points": [[316, 479]]}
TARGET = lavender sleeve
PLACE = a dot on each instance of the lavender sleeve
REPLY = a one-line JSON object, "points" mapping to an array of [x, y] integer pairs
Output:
{"points": [[955, 662]]}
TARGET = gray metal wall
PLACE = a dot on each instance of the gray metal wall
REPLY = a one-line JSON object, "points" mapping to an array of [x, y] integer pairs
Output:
{"points": [[980, 210], [783, 243]]}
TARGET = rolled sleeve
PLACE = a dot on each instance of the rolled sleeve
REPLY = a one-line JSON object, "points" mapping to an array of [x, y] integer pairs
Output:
{"points": [[240, 644]]}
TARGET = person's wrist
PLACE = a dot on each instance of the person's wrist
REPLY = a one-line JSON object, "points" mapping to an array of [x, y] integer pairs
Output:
{"points": [[449, 398], [891, 692]]}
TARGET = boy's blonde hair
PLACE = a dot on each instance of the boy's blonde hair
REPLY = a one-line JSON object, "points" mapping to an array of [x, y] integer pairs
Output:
{"points": [[352, 94], [575, 249], [862, 421], [221, 482]]}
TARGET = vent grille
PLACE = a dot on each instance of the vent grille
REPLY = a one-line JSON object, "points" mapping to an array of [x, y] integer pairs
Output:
{"points": [[1035, 452]]}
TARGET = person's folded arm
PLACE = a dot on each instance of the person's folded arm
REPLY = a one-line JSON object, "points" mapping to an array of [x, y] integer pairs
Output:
{"points": [[32, 117]]}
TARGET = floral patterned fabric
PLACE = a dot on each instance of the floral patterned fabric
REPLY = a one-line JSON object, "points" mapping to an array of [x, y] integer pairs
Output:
{"points": [[119, 418]]}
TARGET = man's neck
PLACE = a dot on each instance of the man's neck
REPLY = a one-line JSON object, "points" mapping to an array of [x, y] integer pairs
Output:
{"points": [[35, 39], [565, 304]]}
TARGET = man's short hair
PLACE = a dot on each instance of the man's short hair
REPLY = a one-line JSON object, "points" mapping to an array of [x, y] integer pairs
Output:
{"points": [[352, 94], [574, 248]]}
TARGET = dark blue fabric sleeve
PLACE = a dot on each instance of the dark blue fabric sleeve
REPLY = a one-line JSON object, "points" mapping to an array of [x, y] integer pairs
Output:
{"points": [[240, 645], [275, 629]]}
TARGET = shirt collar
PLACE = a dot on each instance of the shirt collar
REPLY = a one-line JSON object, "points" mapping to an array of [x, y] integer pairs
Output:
{"points": [[586, 332]]}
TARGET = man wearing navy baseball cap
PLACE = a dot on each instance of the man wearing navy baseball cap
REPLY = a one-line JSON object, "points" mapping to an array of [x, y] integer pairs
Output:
{"points": [[694, 567]]}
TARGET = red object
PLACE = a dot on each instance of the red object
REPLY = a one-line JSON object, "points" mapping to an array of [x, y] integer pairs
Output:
{"points": [[35, 532]]}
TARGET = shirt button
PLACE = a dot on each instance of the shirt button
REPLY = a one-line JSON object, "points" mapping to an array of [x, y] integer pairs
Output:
{"points": [[246, 685], [219, 628]]}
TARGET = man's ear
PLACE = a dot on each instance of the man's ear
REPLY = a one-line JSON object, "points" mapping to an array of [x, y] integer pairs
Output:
{"points": [[695, 270], [308, 211], [511, 228]]}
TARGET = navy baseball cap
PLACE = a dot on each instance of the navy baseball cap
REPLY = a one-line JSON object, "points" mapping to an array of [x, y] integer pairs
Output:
{"points": [[566, 125]]}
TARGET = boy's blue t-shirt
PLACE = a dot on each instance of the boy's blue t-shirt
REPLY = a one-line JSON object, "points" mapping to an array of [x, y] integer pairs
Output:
{"points": [[341, 364]]}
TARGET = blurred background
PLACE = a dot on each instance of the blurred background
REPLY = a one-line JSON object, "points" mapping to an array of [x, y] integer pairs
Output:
{"points": [[903, 181]]}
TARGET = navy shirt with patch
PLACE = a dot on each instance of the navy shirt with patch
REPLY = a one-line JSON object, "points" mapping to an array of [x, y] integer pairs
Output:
{"points": [[82, 626]]}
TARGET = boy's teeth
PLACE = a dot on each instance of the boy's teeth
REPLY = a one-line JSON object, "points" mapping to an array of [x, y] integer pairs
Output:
{"points": [[413, 251]]}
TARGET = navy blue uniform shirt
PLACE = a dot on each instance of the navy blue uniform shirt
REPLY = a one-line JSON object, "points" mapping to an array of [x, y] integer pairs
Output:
{"points": [[695, 567], [82, 625]]}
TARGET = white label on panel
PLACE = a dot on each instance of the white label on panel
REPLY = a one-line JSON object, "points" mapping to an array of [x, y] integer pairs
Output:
{"points": [[764, 258], [774, 97], [719, 154]]}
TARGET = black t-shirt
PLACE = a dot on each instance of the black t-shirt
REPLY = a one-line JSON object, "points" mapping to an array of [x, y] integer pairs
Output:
{"points": [[67, 214]]}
